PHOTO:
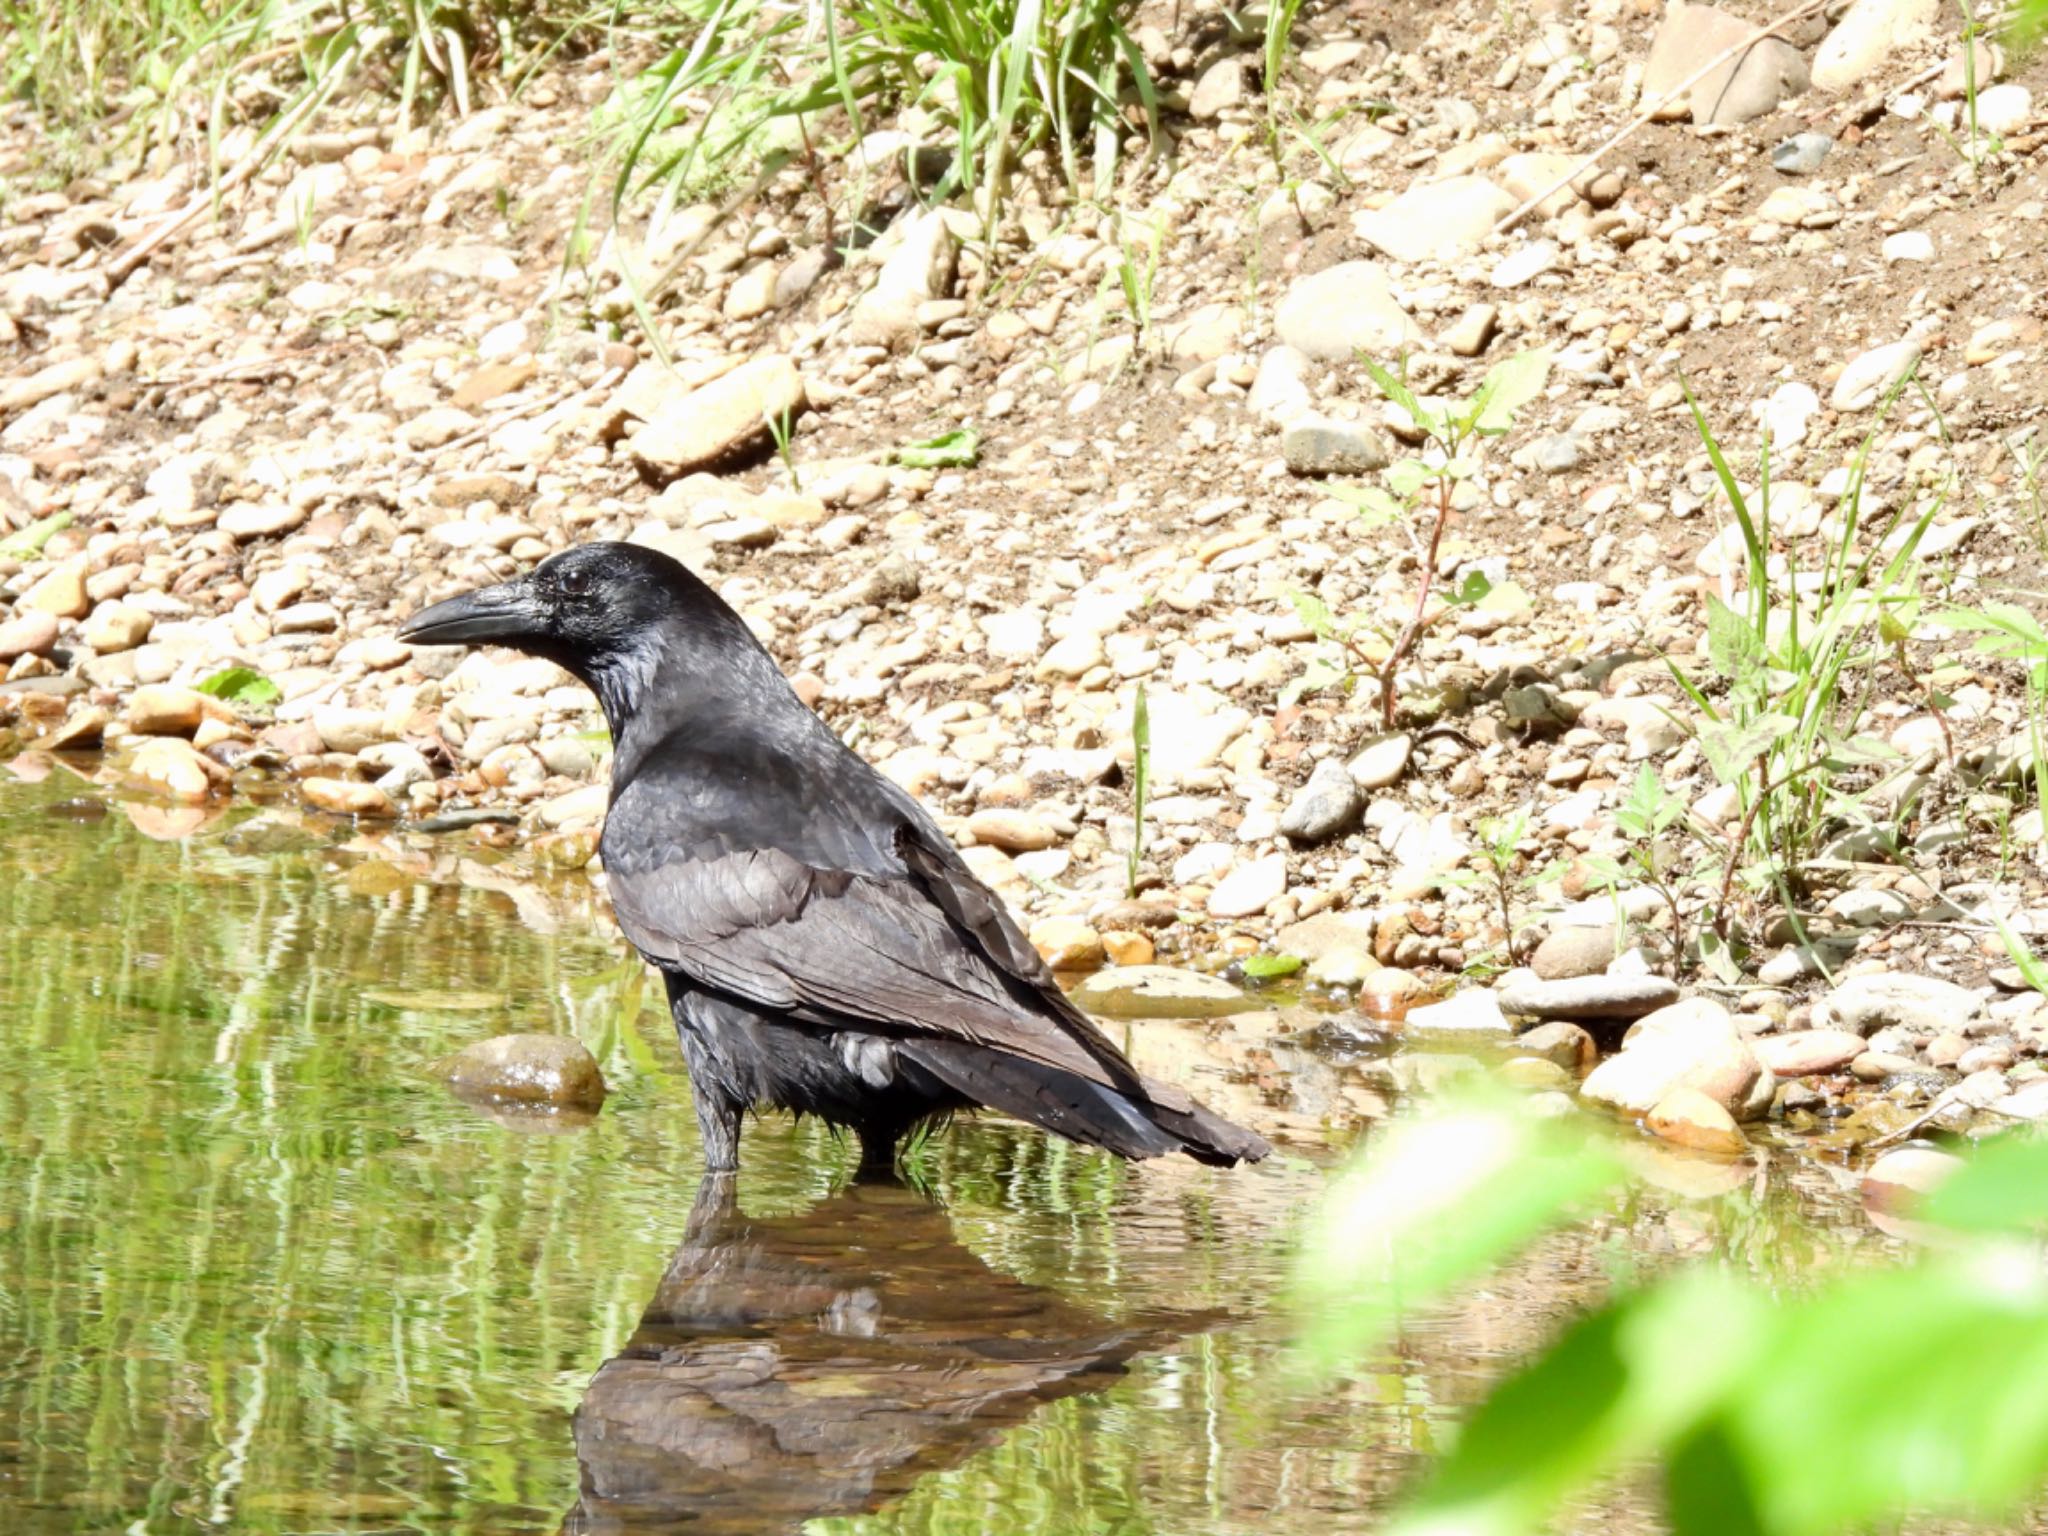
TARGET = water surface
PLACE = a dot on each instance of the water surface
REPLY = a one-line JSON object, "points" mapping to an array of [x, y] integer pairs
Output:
{"points": [[260, 1273]]}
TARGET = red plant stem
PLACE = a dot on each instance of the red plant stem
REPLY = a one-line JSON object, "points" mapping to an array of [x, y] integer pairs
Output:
{"points": [[1413, 627]]}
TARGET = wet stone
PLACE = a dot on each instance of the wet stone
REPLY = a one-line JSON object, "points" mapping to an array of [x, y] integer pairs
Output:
{"points": [[1159, 992], [532, 1069]]}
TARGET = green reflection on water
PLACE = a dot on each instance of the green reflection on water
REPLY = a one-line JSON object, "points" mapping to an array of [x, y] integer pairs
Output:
{"points": [[259, 1273]]}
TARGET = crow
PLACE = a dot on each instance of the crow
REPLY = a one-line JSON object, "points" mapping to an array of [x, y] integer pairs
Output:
{"points": [[824, 947]]}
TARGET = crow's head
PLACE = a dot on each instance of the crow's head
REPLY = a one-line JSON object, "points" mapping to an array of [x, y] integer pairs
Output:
{"points": [[584, 608]]}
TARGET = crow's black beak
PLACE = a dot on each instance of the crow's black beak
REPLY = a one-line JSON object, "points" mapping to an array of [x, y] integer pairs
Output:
{"points": [[502, 615]]}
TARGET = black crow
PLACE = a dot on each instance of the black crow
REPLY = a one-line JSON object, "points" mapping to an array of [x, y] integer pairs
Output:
{"points": [[825, 948]]}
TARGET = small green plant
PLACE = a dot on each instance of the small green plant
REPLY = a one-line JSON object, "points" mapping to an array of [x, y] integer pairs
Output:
{"points": [[1141, 773], [1504, 868], [27, 543], [1762, 1408], [2007, 632], [242, 685], [1791, 672], [1428, 482], [782, 428], [1137, 274]]}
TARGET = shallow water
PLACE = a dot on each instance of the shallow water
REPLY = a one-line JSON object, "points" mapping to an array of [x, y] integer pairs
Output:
{"points": [[260, 1273]]}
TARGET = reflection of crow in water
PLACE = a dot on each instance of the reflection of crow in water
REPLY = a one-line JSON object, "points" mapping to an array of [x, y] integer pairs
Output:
{"points": [[820, 1364], [825, 948]]}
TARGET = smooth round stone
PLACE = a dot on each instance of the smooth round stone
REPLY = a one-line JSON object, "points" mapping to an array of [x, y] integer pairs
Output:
{"points": [[526, 1069]]}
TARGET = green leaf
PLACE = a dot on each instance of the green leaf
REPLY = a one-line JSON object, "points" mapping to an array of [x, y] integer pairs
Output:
{"points": [[28, 542], [1270, 967], [242, 685], [1316, 676], [1375, 507], [1732, 747], [1910, 1389], [1507, 387], [958, 449], [1396, 389], [2004, 1188], [1620, 1385], [1409, 476], [1472, 589], [1732, 645], [1437, 1202], [1313, 612], [2031, 968]]}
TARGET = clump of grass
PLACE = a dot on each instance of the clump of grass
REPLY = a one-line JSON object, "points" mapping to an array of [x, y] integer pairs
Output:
{"points": [[746, 78], [114, 77]]}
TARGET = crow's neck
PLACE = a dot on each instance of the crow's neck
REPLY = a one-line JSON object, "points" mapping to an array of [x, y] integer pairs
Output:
{"points": [[679, 679]]}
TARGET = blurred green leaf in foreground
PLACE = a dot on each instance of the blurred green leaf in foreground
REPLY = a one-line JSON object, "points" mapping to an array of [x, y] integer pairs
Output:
{"points": [[1877, 1393]]}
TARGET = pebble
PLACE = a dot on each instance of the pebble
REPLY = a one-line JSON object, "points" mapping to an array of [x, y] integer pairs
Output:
{"points": [[344, 797], [1443, 219], [1692, 1044], [1322, 445], [1473, 1009], [1868, 34], [1808, 1052], [1569, 1046], [1068, 944], [172, 768], [31, 632], [695, 429], [1328, 804], [1802, 154], [1250, 888], [1382, 761]]}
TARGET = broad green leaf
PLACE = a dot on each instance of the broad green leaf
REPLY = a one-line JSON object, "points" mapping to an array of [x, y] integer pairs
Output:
{"points": [[958, 449], [1440, 1200], [1375, 507], [1316, 676], [1732, 645], [1732, 747], [1622, 1384], [1472, 589], [242, 685], [1409, 476], [1270, 967], [2004, 1188], [1909, 1389], [1507, 387]]}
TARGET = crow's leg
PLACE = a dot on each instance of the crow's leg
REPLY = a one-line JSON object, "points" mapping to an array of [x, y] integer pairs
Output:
{"points": [[877, 1152], [718, 1120]]}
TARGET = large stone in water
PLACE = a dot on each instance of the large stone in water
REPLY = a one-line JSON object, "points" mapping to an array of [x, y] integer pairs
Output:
{"points": [[553, 1070], [1159, 992]]}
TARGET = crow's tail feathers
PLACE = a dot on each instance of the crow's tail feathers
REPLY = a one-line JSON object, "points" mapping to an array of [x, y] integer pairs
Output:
{"points": [[1082, 1111]]}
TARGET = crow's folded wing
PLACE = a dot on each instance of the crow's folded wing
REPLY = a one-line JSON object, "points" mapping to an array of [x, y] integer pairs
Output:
{"points": [[893, 953]]}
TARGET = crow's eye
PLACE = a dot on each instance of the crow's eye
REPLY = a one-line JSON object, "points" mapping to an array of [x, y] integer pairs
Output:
{"points": [[573, 583]]}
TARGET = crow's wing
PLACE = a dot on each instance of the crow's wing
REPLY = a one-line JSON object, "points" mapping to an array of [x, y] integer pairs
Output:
{"points": [[848, 950]]}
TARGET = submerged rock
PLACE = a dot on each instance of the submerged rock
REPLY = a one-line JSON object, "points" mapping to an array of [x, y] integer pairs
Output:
{"points": [[529, 1069], [1159, 992]]}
